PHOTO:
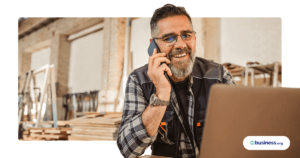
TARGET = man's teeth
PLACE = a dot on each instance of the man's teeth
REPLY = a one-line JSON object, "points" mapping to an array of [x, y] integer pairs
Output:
{"points": [[180, 55]]}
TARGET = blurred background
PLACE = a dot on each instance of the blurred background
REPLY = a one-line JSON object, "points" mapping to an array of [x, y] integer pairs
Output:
{"points": [[82, 64]]}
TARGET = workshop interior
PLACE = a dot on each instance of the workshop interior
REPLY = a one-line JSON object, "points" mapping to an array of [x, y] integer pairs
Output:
{"points": [[72, 72]]}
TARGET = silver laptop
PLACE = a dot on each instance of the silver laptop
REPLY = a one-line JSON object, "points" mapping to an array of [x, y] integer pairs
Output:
{"points": [[235, 112]]}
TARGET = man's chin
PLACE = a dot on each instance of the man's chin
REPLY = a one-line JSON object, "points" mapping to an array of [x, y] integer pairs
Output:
{"points": [[182, 65], [181, 68]]}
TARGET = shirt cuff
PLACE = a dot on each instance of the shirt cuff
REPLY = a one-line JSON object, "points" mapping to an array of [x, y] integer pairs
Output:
{"points": [[139, 130]]}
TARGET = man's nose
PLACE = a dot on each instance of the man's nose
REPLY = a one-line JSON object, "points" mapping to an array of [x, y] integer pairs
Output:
{"points": [[179, 43]]}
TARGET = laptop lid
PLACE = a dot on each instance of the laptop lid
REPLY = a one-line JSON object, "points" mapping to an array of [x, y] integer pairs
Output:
{"points": [[235, 112]]}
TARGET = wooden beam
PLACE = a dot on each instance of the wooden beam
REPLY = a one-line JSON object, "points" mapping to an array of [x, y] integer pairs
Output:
{"points": [[43, 96], [38, 46], [29, 23], [86, 32], [42, 69], [133, 18]]}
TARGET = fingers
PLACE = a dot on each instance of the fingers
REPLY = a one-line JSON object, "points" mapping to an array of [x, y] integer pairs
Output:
{"points": [[154, 51], [154, 56], [158, 60], [164, 67]]}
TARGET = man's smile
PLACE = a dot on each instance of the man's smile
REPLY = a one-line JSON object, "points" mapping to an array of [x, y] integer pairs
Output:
{"points": [[181, 57]]}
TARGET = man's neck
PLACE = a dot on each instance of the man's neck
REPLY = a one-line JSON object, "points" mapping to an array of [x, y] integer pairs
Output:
{"points": [[175, 79]]}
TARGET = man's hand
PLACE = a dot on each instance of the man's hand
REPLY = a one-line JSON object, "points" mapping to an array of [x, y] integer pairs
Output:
{"points": [[156, 74], [152, 116]]}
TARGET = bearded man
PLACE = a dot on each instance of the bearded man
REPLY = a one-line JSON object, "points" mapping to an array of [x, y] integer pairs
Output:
{"points": [[168, 113]]}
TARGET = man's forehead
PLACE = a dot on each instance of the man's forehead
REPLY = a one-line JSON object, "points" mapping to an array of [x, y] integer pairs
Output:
{"points": [[173, 24]]}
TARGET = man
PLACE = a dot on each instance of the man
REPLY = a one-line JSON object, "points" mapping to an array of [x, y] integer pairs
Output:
{"points": [[169, 115]]}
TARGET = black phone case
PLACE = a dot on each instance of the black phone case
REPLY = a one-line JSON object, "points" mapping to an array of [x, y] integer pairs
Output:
{"points": [[152, 46], [150, 52]]}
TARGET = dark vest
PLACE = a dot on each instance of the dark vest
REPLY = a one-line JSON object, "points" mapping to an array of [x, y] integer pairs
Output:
{"points": [[205, 73]]}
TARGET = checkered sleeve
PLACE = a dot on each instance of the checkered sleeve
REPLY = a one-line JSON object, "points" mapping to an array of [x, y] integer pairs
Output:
{"points": [[227, 77], [133, 138]]}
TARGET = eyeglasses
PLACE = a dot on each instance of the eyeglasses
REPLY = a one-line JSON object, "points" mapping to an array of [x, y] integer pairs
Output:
{"points": [[172, 39]]}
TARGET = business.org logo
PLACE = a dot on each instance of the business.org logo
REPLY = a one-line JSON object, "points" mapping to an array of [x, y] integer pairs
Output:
{"points": [[265, 143]]}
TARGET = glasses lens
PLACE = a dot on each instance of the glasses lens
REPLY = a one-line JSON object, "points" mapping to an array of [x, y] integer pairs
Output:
{"points": [[170, 44], [170, 39], [186, 37]]}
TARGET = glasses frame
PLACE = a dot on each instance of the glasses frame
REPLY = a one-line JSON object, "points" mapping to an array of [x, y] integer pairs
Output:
{"points": [[175, 39]]}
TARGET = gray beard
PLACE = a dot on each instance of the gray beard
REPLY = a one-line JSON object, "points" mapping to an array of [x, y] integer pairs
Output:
{"points": [[181, 70]]}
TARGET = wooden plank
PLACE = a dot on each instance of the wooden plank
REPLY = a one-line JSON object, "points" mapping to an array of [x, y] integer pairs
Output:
{"points": [[109, 113], [59, 123], [103, 113], [42, 69], [78, 118], [117, 120], [55, 131], [43, 96], [98, 120], [72, 139], [49, 136], [29, 23], [86, 137], [92, 125], [32, 139], [95, 133], [65, 129], [95, 128], [92, 113], [53, 97], [93, 116], [36, 131], [113, 115], [60, 128]]}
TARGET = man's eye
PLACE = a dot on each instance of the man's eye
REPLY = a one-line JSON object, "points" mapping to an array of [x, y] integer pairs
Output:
{"points": [[184, 36], [170, 39]]}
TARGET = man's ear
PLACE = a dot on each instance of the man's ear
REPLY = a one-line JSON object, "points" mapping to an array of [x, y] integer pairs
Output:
{"points": [[150, 40]]}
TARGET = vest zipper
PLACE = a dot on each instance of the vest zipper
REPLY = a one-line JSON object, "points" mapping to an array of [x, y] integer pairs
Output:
{"points": [[193, 134]]}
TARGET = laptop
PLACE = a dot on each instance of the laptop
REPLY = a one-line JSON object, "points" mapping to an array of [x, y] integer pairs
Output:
{"points": [[235, 112]]}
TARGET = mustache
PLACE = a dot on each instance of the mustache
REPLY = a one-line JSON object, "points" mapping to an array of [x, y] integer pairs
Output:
{"points": [[179, 51]]}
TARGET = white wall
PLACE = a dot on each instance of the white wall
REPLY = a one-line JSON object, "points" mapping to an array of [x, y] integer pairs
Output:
{"points": [[86, 63], [38, 60], [141, 34], [250, 39]]}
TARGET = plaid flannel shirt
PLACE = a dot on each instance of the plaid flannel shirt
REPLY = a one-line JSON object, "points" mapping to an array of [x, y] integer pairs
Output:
{"points": [[133, 138]]}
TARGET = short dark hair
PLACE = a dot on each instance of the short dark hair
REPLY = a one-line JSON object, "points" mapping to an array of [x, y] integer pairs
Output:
{"points": [[166, 11]]}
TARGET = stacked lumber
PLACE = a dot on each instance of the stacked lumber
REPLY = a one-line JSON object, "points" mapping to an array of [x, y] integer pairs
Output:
{"points": [[44, 123], [95, 126], [46, 133]]}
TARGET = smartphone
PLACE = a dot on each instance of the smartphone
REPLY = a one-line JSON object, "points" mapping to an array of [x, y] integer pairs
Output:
{"points": [[151, 49], [152, 46]]}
